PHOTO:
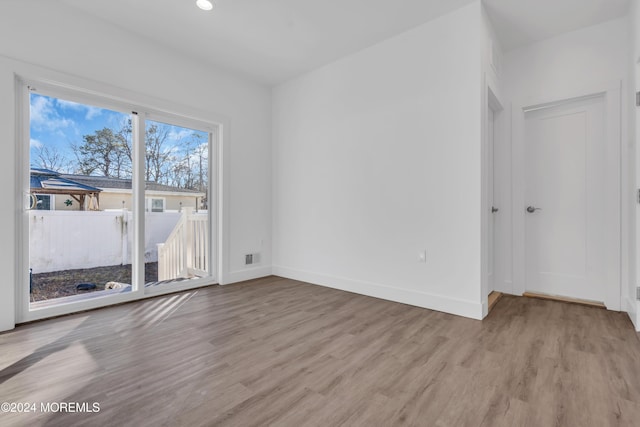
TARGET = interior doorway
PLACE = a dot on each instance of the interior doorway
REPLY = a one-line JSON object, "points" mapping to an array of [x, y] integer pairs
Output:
{"points": [[494, 111], [491, 192], [492, 213], [567, 202], [565, 231]]}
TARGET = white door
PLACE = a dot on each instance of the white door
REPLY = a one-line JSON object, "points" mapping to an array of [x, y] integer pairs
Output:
{"points": [[565, 196]]}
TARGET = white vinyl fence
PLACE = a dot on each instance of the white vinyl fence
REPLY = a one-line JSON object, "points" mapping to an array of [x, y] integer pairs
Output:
{"points": [[66, 240]]}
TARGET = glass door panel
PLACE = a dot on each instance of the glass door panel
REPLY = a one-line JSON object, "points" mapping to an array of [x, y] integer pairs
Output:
{"points": [[177, 214], [80, 200]]}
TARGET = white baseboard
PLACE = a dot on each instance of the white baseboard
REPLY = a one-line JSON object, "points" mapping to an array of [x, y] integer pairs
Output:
{"points": [[442, 303], [632, 311], [7, 325], [242, 275]]}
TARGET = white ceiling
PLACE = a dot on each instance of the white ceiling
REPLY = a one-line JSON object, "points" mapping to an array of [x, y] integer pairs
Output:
{"points": [[269, 40], [521, 22], [274, 40]]}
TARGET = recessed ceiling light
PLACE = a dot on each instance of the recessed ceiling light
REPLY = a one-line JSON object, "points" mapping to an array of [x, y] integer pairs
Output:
{"points": [[204, 4]]}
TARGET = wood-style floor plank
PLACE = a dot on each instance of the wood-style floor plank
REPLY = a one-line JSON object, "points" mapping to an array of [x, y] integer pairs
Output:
{"points": [[279, 352]]}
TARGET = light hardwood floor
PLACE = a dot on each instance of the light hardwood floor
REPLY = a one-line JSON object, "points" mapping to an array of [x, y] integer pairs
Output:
{"points": [[279, 352]]}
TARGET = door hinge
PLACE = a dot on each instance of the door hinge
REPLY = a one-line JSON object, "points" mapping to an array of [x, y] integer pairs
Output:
{"points": [[638, 293], [638, 196], [637, 99]]}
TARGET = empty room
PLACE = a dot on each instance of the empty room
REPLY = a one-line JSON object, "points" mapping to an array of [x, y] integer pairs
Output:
{"points": [[305, 213]]}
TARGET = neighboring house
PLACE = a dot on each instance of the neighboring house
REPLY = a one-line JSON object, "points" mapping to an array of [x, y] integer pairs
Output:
{"points": [[56, 191], [50, 189]]}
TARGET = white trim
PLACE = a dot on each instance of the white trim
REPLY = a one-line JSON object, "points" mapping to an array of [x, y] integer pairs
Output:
{"points": [[558, 102], [631, 309], [223, 157], [484, 197], [138, 133], [460, 307], [567, 95], [248, 274], [612, 97], [489, 101], [215, 195], [22, 276]]}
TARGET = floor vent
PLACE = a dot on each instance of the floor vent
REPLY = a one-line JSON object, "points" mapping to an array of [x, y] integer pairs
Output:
{"points": [[250, 259]]}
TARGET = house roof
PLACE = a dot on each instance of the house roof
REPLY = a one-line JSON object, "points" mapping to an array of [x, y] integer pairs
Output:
{"points": [[48, 181], [45, 179], [105, 183]]}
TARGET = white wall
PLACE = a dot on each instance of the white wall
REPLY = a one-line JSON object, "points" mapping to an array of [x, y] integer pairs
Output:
{"points": [[377, 157], [81, 49], [634, 136], [567, 65], [492, 56]]}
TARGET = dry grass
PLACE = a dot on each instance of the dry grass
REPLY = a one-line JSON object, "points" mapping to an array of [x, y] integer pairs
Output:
{"points": [[63, 283]]}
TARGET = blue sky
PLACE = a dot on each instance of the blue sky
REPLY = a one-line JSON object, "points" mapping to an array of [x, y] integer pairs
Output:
{"points": [[58, 124]]}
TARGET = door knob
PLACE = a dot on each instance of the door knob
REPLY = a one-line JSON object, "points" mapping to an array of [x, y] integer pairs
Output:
{"points": [[531, 209]]}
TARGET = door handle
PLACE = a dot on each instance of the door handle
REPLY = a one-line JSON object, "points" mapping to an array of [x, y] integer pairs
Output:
{"points": [[494, 209], [531, 209]]}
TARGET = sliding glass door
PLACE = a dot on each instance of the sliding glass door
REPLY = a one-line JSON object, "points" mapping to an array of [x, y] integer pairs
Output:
{"points": [[119, 203]]}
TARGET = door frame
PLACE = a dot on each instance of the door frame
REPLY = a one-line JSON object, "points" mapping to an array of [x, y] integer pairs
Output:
{"points": [[613, 131], [490, 99], [491, 134], [111, 97]]}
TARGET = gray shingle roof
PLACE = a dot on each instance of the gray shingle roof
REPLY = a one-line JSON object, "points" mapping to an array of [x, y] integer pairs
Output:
{"points": [[44, 179], [104, 183]]}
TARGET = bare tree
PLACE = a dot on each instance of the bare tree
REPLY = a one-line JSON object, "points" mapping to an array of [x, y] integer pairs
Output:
{"points": [[103, 153], [157, 156], [182, 164], [202, 153], [189, 163], [124, 137], [51, 158]]}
